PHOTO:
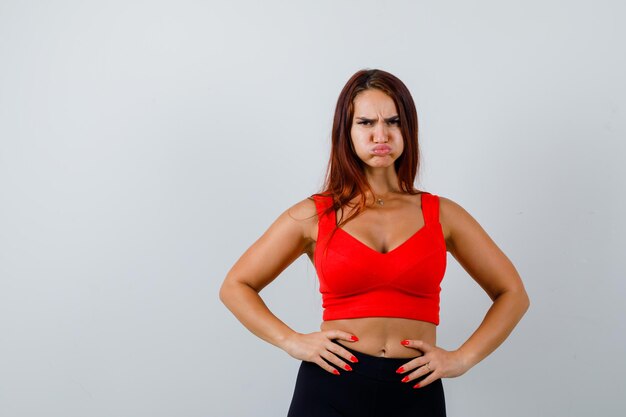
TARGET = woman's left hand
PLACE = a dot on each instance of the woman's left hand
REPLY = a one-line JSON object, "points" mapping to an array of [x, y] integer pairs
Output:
{"points": [[440, 363]]}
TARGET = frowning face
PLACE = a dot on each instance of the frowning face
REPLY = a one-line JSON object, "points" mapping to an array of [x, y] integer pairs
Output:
{"points": [[375, 130]]}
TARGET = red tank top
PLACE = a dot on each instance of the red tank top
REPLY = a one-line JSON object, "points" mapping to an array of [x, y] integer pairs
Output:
{"points": [[358, 281]]}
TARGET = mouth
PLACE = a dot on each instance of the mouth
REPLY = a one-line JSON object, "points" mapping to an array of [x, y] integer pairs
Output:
{"points": [[381, 150]]}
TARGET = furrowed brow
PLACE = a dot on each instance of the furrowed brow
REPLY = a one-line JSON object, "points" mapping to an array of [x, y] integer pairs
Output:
{"points": [[389, 119]]}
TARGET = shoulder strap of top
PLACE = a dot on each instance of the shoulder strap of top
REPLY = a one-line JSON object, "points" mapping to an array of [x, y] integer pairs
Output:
{"points": [[325, 221], [430, 207]]}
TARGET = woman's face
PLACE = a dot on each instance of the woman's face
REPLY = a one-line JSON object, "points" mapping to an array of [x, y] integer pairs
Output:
{"points": [[375, 131]]}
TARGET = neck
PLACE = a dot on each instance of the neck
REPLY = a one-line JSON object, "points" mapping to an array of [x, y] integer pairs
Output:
{"points": [[380, 199]]}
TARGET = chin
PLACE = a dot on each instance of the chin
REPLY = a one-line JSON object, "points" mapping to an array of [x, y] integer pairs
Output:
{"points": [[385, 165]]}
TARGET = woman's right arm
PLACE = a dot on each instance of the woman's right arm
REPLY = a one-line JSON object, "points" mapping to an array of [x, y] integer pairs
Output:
{"points": [[283, 242]]}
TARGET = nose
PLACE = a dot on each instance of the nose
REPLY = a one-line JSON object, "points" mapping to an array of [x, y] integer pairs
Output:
{"points": [[380, 133]]}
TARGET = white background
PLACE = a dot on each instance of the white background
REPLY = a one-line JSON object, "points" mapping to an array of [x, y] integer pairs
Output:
{"points": [[144, 145]]}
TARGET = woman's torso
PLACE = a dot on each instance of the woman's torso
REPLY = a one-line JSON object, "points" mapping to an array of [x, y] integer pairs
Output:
{"points": [[383, 229]]}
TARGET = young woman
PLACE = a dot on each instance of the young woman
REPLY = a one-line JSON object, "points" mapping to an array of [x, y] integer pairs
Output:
{"points": [[379, 248]]}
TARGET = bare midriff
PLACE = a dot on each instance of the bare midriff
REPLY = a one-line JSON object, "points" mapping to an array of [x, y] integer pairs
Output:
{"points": [[381, 336]]}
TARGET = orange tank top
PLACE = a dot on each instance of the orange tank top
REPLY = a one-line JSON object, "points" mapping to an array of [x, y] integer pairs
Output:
{"points": [[358, 281]]}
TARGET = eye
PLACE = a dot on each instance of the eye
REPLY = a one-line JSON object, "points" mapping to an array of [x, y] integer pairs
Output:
{"points": [[395, 122], [364, 122]]}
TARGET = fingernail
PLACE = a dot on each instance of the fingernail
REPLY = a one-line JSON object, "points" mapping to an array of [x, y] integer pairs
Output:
{"points": [[400, 370], [405, 379], [354, 359], [348, 368], [416, 386], [405, 342], [336, 372], [354, 338]]}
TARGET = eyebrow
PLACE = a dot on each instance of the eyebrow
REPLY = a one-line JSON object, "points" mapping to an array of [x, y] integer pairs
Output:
{"points": [[390, 119]]}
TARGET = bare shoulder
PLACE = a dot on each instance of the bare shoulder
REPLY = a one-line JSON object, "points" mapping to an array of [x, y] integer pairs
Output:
{"points": [[283, 242], [305, 213], [301, 218], [449, 211], [455, 220], [475, 250]]}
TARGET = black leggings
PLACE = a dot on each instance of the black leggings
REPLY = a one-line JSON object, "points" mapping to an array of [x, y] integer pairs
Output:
{"points": [[371, 389]]}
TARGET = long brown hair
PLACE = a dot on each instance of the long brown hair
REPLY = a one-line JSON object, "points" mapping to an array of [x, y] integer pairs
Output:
{"points": [[345, 176]]}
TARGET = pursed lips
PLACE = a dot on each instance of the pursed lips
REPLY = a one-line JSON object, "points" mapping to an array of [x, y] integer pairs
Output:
{"points": [[381, 149]]}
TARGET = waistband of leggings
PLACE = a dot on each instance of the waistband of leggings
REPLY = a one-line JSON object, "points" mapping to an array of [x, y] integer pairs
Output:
{"points": [[378, 367]]}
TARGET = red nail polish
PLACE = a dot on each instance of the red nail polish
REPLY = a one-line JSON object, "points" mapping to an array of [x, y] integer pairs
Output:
{"points": [[348, 368], [400, 370], [336, 372], [416, 386], [405, 342], [354, 359], [354, 338], [405, 379]]}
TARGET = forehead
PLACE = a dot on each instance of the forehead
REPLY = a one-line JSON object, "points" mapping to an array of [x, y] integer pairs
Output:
{"points": [[372, 102]]}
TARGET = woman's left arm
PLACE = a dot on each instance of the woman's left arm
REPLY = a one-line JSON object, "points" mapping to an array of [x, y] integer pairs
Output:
{"points": [[478, 254], [483, 260]]}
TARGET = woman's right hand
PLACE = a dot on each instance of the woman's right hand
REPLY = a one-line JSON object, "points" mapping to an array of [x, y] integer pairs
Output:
{"points": [[317, 346]]}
